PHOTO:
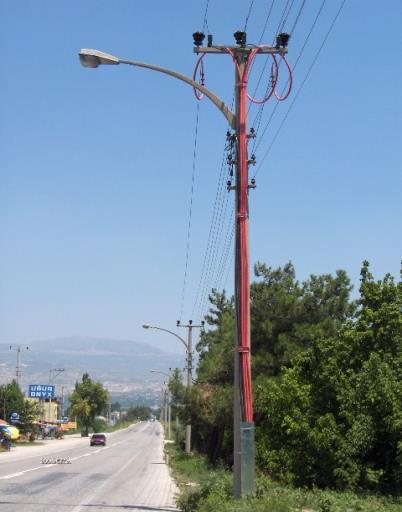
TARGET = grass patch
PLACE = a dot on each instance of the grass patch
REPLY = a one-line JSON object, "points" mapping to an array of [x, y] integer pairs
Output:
{"points": [[210, 490]]}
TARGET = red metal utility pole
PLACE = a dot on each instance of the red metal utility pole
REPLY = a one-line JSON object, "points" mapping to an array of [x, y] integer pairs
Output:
{"points": [[244, 444]]}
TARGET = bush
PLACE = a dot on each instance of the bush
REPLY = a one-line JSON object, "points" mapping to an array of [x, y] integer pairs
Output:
{"points": [[99, 426]]}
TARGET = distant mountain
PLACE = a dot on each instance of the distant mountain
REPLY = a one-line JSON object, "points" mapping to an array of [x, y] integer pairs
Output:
{"points": [[122, 365]]}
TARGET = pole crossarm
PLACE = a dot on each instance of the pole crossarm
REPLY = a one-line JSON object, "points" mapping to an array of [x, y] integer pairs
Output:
{"points": [[230, 117], [247, 49]]}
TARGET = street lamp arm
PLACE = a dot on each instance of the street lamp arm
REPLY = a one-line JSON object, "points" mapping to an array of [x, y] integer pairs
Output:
{"points": [[215, 99], [170, 332], [162, 373]]}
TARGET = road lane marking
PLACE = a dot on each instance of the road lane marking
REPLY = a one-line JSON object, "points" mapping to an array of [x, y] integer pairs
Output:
{"points": [[13, 475], [44, 466], [88, 499]]}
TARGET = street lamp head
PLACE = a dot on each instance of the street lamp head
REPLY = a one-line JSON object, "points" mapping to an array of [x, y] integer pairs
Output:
{"points": [[146, 326], [94, 58]]}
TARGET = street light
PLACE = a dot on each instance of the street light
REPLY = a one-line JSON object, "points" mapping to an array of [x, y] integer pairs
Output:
{"points": [[189, 351], [242, 56], [162, 373], [167, 396], [95, 58]]}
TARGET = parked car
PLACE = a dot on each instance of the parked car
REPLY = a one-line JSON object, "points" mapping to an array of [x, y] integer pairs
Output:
{"points": [[98, 439]]}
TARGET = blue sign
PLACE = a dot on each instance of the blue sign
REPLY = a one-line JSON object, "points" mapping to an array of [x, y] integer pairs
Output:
{"points": [[41, 391], [14, 417]]}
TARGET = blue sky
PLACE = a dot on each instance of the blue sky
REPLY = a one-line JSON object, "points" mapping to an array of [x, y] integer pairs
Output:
{"points": [[96, 165]]}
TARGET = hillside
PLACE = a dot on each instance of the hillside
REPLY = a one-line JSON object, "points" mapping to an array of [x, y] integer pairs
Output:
{"points": [[122, 365]]}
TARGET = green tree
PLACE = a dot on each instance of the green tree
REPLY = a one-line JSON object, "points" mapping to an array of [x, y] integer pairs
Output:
{"points": [[138, 411], [286, 316], [88, 400], [12, 400], [335, 418], [115, 406]]}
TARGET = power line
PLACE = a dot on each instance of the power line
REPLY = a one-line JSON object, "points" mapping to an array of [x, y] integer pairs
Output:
{"points": [[205, 24], [190, 210], [210, 234], [248, 15], [216, 214], [258, 118], [302, 85], [257, 144], [266, 21]]}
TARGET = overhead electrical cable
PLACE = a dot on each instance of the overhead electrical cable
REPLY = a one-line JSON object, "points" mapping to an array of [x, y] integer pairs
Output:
{"points": [[211, 235], [216, 214], [190, 210], [248, 15], [258, 118], [301, 85], [205, 23], [257, 144]]}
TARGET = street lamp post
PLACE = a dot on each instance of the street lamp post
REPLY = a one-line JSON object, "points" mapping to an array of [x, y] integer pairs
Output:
{"points": [[242, 56], [189, 351], [169, 406], [57, 372]]}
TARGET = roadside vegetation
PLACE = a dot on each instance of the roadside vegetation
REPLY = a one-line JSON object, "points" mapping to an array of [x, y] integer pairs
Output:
{"points": [[88, 400], [12, 399], [327, 379], [207, 489]]}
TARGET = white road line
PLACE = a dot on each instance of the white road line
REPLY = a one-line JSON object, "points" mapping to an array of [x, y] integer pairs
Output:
{"points": [[13, 475], [44, 466], [88, 499]]}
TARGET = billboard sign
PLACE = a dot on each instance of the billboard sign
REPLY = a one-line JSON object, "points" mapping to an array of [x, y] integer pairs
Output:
{"points": [[41, 391]]}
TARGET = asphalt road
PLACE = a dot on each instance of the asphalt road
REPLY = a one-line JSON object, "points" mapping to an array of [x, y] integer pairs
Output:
{"points": [[129, 474]]}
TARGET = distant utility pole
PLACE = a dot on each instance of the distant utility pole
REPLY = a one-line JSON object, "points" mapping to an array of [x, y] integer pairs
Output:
{"points": [[57, 372], [190, 326], [18, 349], [189, 350]]}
